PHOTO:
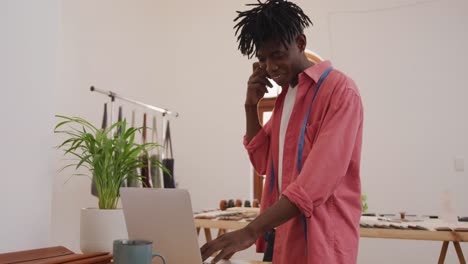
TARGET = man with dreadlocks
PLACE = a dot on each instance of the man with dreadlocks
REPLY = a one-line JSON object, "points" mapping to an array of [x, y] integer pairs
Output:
{"points": [[310, 149]]}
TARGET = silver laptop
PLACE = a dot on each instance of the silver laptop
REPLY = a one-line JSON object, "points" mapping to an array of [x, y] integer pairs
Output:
{"points": [[165, 217]]}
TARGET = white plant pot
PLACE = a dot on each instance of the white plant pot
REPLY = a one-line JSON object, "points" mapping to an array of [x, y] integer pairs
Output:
{"points": [[99, 228]]}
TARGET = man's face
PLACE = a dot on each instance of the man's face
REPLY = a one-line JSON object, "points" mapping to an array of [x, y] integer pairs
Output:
{"points": [[281, 63]]}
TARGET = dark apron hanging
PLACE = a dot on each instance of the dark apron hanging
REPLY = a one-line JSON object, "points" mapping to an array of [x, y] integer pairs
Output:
{"points": [[103, 126], [119, 119], [168, 160], [118, 133], [155, 158], [133, 182], [144, 171]]}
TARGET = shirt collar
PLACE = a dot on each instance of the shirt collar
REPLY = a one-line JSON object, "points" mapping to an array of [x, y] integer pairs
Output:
{"points": [[315, 71]]}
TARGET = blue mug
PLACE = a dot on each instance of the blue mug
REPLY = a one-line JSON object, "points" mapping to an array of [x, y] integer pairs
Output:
{"points": [[127, 251]]}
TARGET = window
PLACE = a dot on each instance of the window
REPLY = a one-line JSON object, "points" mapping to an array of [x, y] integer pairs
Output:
{"points": [[265, 110]]}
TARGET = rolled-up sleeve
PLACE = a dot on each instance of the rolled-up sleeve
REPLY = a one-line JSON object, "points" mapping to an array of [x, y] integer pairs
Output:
{"points": [[330, 155], [258, 149]]}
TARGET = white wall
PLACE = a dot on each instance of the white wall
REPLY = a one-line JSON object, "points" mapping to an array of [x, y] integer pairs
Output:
{"points": [[28, 40], [407, 61]]}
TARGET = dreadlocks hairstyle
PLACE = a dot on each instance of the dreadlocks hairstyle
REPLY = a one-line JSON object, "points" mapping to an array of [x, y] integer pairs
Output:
{"points": [[277, 20]]}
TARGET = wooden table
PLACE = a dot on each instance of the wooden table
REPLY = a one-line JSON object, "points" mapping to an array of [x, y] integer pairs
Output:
{"points": [[445, 236], [54, 255]]}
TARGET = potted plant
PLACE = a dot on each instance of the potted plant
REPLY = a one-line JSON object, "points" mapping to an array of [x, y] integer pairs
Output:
{"points": [[112, 159]]}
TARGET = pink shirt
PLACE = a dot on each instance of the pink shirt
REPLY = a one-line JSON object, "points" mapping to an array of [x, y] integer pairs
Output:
{"points": [[328, 189]]}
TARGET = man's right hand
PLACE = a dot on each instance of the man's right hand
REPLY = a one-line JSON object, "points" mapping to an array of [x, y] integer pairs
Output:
{"points": [[256, 86]]}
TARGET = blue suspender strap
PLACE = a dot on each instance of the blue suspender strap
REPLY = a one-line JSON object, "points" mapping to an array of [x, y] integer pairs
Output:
{"points": [[300, 148], [272, 176], [304, 225]]}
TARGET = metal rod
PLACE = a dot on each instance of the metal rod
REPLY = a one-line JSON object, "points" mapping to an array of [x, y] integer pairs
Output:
{"points": [[151, 107]]}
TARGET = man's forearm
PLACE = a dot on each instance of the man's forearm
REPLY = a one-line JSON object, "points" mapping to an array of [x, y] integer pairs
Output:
{"points": [[252, 122], [279, 213]]}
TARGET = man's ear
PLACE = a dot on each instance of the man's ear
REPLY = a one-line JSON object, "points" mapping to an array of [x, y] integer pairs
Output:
{"points": [[301, 42]]}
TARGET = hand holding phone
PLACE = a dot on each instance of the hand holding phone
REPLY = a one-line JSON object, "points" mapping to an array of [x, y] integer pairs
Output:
{"points": [[257, 85]]}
